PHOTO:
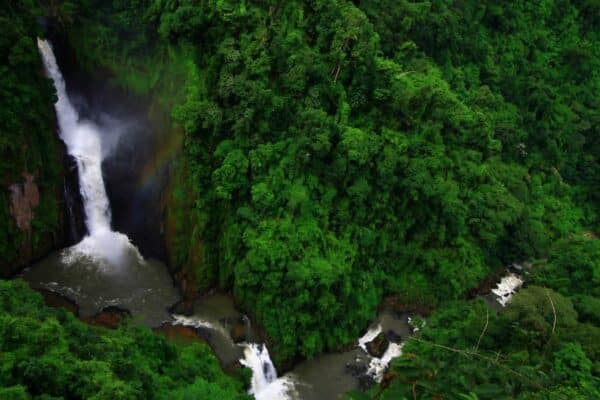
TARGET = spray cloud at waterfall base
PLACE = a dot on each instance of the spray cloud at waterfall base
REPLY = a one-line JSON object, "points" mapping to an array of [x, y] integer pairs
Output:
{"points": [[104, 268]]}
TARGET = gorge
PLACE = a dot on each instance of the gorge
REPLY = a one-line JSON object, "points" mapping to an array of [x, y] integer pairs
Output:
{"points": [[299, 200], [105, 269]]}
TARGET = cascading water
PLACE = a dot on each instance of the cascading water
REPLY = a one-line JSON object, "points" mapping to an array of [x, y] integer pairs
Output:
{"points": [[265, 384], [84, 143], [105, 268], [507, 287]]}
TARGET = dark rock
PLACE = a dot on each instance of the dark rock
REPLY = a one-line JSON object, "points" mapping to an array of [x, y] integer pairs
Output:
{"points": [[238, 331], [53, 299], [183, 333], [24, 198], [393, 336], [110, 317], [75, 228], [378, 346], [183, 307], [232, 368]]}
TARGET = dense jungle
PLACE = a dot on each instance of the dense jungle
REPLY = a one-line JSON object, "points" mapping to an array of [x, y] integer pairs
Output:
{"points": [[316, 163]]}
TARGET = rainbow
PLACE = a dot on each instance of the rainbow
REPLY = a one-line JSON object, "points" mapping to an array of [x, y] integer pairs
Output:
{"points": [[166, 152]]}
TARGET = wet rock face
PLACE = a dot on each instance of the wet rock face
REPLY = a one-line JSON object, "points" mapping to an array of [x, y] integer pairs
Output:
{"points": [[378, 346], [238, 331], [75, 228], [24, 198], [188, 290], [28, 241]]}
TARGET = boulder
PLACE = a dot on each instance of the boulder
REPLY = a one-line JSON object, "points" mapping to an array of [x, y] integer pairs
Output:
{"points": [[110, 317], [55, 300], [378, 346], [393, 337]]}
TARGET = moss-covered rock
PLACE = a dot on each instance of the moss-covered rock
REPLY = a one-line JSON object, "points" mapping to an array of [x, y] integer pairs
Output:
{"points": [[31, 154]]}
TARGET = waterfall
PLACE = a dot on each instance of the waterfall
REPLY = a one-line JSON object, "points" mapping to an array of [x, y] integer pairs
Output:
{"points": [[507, 287], [265, 385], [84, 143]]}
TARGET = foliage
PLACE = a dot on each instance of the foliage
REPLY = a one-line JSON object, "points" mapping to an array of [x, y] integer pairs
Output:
{"points": [[48, 353], [335, 152], [28, 143], [339, 151], [573, 267], [511, 355]]}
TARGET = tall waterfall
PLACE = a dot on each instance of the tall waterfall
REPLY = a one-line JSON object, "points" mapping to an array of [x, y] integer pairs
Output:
{"points": [[83, 141]]}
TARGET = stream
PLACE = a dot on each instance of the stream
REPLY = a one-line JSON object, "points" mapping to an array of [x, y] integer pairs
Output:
{"points": [[106, 269], [323, 377]]}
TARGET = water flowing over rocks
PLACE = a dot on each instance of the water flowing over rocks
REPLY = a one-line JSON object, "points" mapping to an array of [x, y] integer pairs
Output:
{"points": [[368, 337], [507, 287], [265, 384], [383, 347], [323, 377]]}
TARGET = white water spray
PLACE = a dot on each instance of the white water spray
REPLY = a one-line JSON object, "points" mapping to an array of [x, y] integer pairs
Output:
{"points": [[507, 287], [371, 334], [265, 385], [84, 143], [377, 366]]}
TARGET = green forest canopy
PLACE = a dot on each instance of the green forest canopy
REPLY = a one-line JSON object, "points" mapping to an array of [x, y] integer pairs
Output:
{"points": [[47, 353], [336, 152]]}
